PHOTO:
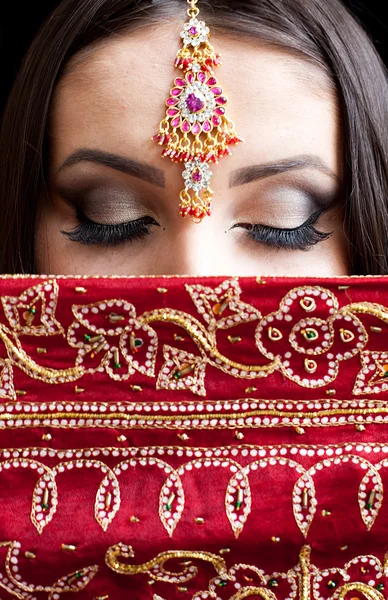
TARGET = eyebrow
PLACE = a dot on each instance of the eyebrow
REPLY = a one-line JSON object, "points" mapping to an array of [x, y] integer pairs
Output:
{"points": [[126, 165], [155, 176], [252, 173]]}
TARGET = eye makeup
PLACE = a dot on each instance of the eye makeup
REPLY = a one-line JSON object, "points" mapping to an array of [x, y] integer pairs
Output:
{"points": [[303, 237], [91, 233], [111, 215]]}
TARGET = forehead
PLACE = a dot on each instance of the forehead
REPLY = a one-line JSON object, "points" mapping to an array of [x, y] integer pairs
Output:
{"points": [[113, 96]]}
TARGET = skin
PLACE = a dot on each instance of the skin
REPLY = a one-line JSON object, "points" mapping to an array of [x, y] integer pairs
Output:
{"points": [[111, 100]]}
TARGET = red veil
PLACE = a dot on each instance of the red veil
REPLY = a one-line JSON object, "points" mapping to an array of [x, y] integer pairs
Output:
{"points": [[193, 438]]}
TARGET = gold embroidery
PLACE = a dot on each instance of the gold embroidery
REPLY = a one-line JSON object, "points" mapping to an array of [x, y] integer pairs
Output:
{"points": [[308, 304], [305, 576], [237, 500], [253, 591], [135, 343], [369, 592], [373, 365], [33, 312], [302, 579], [74, 582], [247, 413], [156, 569], [310, 365], [200, 336]]}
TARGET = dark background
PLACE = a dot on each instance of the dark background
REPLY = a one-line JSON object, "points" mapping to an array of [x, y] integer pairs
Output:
{"points": [[24, 18]]}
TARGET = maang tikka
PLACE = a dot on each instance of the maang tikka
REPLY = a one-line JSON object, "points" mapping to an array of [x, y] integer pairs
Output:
{"points": [[196, 130]]}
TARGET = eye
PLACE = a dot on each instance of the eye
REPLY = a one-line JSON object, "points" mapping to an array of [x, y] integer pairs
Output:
{"points": [[303, 237], [90, 233]]}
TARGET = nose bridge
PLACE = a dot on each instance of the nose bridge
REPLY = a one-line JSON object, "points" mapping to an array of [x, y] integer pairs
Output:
{"points": [[194, 250]]}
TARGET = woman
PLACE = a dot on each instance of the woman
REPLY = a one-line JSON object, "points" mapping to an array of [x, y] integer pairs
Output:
{"points": [[308, 94], [187, 437]]}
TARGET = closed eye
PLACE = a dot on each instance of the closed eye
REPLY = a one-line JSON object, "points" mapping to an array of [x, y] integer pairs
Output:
{"points": [[303, 237], [90, 233]]}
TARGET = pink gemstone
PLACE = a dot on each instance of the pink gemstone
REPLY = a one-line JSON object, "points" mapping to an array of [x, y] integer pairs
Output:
{"points": [[201, 76], [193, 31], [196, 128], [212, 81], [195, 102], [172, 101], [221, 100], [190, 77], [216, 121], [197, 176], [219, 110], [176, 122], [185, 126], [180, 82], [217, 91], [172, 112], [207, 126], [176, 92]]}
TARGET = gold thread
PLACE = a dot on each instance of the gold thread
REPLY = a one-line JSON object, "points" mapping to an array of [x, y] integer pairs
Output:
{"points": [[305, 577], [253, 591], [114, 553], [200, 336], [308, 304], [30, 366], [200, 417], [369, 592]]}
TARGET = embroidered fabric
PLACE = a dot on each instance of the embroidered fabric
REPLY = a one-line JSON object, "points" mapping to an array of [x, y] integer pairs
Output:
{"points": [[199, 438]]}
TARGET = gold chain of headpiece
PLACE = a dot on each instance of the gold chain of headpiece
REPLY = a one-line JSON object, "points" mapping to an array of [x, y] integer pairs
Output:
{"points": [[193, 11]]}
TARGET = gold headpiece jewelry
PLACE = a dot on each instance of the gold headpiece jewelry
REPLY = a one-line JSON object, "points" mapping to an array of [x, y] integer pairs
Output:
{"points": [[196, 130]]}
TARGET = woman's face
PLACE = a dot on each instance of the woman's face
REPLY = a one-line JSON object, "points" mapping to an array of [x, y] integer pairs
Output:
{"points": [[114, 201]]}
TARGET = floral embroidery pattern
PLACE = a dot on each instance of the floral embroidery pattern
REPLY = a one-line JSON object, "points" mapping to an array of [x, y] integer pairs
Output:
{"points": [[232, 584], [33, 312], [121, 347], [13, 583], [182, 370], [306, 339], [338, 337]]}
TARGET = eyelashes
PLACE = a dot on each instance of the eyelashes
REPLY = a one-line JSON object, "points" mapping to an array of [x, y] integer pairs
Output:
{"points": [[303, 237], [90, 233]]}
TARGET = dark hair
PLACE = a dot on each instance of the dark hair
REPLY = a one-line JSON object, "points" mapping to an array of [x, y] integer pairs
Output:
{"points": [[323, 32]]}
